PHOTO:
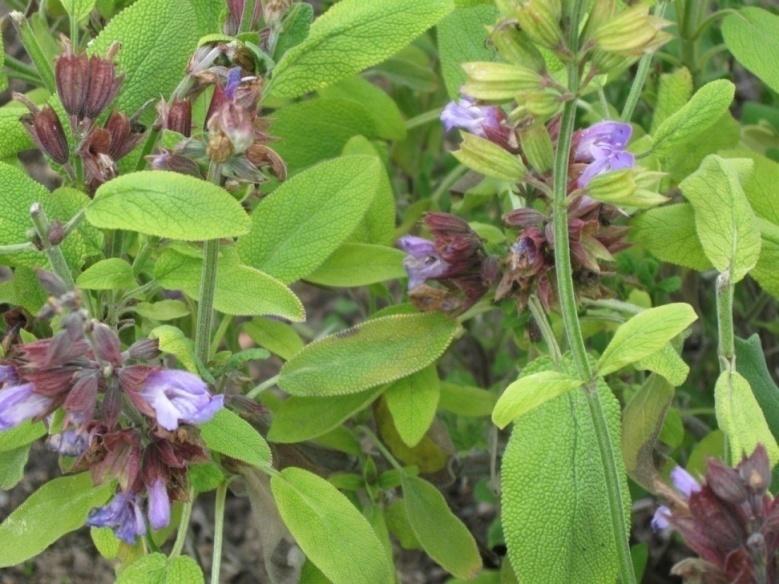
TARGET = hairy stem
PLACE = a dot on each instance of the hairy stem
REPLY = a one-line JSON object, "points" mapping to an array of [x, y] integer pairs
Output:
{"points": [[205, 307], [726, 348], [539, 315], [53, 252], [181, 534], [568, 306], [219, 520]]}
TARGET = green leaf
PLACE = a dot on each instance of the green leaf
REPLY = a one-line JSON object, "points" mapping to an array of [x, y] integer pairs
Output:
{"points": [[724, 134], [349, 37], [162, 310], [174, 342], [295, 27], [58, 507], [167, 204], [156, 568], [387, 117], [751, 363], [765, 272], [359, 264], [739, 416], [108, 274], [552, 462], [668, 363], [296, 228], [489, 159], [228, 433], [12, 463], [205, 477], [105, 541], [157, 40], [379, 351], [668, 233], [642, 422], [378, 225], [277, 337], [183, 570], [78, 9], [462, 38], [329, 530], [13, 137], [466, 401], [413, 401], [529, 392], [752, 36], [240, 290], [674, 90], [21, 435], [645, 334], [317, 129], [19, 192], [298, 419], [440, 533], [725, 222], [705, 108]]}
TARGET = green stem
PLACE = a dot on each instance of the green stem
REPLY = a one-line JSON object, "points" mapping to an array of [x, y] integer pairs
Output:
{"points": [[37, 55], [448, 181], [423, 119], [205, 306], [144, 254], [219, 519], [539, 315], [726, 349], [74, 30], [641, 74], [383, 449], [221, 331], [15, 64], [53, 252], [568, 306], [262, 387], [181, 534], [16, 248]]}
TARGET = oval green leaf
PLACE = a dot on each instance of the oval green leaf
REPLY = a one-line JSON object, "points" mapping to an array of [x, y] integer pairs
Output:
{"points": [[229, 434], [108, 274], [412, 402], [529, 392]]}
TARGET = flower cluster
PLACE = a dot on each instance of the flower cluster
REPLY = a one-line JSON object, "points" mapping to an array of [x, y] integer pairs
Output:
{"points": [[86, 87], [125, 418], [730, 520], [455, 258]]}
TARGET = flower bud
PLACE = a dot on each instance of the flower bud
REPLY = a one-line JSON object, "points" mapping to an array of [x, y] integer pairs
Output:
{"points": [[175, 116], [261, 155], [537, 146], [627, 188], [541, 20], [45, 128], [103, 84], [273, 11], [632, 32], [489, 159], [71, 73], [516, 48], [541, 104], [235, 16], [166, 160], [124, 136], [499, 81]]}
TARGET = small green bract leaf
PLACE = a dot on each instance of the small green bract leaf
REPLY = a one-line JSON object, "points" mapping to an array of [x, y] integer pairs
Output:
{"points": [[529, 392], [644, 334], [375, 352], [167, 204]]}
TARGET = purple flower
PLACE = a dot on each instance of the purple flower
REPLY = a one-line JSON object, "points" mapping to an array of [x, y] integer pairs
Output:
{"points": [[159, 504], [683, 482], [69, 442], [19, 403], [476, 119], [660, 520], [178, 396], [123, 514], [603, 147], [422, 262]]}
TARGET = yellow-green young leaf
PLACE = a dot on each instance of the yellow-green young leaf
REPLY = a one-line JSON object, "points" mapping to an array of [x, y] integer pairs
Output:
{"points": [[375, 352], [739, 416], [300, 224], [105, 541], [383, 110], [462, 38], [378, 225], [298, 419], [760, 188], [240, 290], [489, 159], [765, 272], [359, 264], [439, 531], [644, 334], [13, 137], [529, 392], [317, 129], [724, 220], [174, 342], [642, 422], [276, 336], [751, 363], [156, 568], [162, 310], [329, 529], [724, 134], [752, 36], [229, 434], [157, 40], [295, 26], [674, 90], [58, 507], [18, 193], [21, 435], [183, 570], [108, 274], [413, 401], [554, 495], [470, 402], [167, 204], [12, 463], [351, 36], [78, 9], [707, 106], [668, 233], [668, 363]]}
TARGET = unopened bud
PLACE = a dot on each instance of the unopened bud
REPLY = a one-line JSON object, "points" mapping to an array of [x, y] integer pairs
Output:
{"points": [[627, 188], [540, 19], [489, 159], [46, 130], [51, 282], [632, 32], [515, 47], [540, 104], [261, 155], [166, 160], [497, 81], [144, 350], [537, 147], [175, 116]]}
